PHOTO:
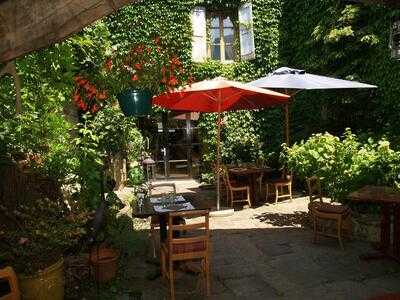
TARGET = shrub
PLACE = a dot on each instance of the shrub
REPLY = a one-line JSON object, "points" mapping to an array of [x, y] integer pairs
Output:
{"points": [[345, 163]]}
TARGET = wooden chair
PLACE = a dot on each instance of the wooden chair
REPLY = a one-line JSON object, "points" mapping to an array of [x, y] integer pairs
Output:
{"points": [[278, 187], [155, 222], [236, 192], [9, 276], [339, 214], [194, 245]]}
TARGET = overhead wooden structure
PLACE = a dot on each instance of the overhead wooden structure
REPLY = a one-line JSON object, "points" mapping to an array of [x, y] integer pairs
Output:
{"points": [[389, 3], [28, 25]]}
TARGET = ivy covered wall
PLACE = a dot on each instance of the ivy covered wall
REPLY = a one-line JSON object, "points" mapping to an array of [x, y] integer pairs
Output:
{"points": [[349, 42], [321, 36]]}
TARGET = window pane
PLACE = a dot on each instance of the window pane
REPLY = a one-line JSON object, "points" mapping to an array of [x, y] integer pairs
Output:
{"points": [[228, 35], [228, 22], [215, 35], [216, 52], [229, 52], [215, 22]]}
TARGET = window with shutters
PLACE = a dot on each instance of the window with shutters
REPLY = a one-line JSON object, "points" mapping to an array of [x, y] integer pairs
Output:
{"points": [[223, 35]]}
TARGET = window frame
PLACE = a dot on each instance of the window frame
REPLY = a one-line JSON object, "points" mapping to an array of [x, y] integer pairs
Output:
{"points": [[221, 14]]}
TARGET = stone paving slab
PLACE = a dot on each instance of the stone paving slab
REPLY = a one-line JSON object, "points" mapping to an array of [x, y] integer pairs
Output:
{"points": [[266, 252]]}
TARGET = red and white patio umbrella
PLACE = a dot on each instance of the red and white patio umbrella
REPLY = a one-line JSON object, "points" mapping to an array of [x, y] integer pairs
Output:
{"points": [[216, 96]]}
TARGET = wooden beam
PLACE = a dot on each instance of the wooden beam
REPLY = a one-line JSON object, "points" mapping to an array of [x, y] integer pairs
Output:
{"points": [[29, 25]]}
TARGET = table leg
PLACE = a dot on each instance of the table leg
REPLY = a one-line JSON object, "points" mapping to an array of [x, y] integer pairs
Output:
{"points": [[384, 245], [163, 227], [385, 227], [254, 188], [396, 232]]}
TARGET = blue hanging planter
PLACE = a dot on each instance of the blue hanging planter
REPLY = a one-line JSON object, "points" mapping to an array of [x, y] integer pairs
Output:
{"points": [[135, 103]]}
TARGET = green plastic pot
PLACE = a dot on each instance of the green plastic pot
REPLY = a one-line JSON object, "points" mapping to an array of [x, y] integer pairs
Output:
{"points": [[135, 103]]}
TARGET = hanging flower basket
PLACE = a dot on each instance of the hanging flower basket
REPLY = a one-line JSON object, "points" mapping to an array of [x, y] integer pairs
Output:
{"points": [[135, 102]]}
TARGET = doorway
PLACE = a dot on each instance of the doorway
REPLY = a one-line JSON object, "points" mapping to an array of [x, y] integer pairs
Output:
{"points": [[177, 147]]}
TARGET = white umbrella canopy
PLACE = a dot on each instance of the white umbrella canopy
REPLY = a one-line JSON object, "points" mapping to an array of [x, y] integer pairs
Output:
{"points": [[293, 79]]}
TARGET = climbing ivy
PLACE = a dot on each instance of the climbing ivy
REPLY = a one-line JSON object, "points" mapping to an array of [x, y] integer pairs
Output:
{"points": [[321, 36]]}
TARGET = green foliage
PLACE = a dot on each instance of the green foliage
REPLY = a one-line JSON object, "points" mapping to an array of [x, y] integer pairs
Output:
{"points": [[345, 164], [45, 231], [136, 176], [349, 42]]}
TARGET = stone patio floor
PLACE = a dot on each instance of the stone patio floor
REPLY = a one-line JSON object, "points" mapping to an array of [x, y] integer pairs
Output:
{"points": [[267, 252]]}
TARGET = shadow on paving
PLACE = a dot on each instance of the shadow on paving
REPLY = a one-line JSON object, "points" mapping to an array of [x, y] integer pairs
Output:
{"points": [[276, 263], [298, 218]]}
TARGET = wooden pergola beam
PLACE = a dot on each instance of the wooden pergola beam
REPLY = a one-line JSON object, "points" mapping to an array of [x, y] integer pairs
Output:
{"points": [[29, 25]]}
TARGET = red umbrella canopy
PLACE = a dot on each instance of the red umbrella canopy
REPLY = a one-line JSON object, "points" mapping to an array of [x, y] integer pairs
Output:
{"points": [[219, 95]]}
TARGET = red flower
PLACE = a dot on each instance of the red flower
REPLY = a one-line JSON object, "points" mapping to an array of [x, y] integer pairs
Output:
{"points": [[137, 66], [95, 108], [175, 61], [77, 78], [134, 77], [109, 64], [158, 49], [190, 80], [138, 49], [76, 97], [157, 40], [173, 81], [101, 95]]}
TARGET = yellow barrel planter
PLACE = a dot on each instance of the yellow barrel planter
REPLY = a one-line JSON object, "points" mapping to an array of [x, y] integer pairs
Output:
{"points": [[47, 284]]}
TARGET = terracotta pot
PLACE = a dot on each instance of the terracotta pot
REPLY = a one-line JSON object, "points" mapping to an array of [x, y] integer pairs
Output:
{"points": [[104, 262]]}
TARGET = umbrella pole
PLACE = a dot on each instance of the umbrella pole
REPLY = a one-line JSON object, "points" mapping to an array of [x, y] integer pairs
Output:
{"points": [[218, 156], [287, 130]]}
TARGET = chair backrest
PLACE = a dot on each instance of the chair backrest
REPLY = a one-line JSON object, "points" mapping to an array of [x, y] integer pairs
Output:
{"points": [[161, 188], [225, 176], [186, 241], [286, 174], [314, 188]]}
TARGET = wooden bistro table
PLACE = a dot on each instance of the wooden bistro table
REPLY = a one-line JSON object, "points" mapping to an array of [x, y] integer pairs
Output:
{"points": [[153, 207], [389, 200], [253, 173]]}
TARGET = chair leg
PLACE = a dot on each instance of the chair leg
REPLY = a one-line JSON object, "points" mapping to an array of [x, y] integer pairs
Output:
{"points": [[163, 265], [266, 192], [315, 229], [231, 198], [153, 239], [171, 279], [339, 225], [276, 194], [207, 276], [290, 192], [248, 197]]}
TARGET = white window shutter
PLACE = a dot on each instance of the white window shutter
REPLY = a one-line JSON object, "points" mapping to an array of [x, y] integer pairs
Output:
{"points": [[199, 39], [247, 48]]}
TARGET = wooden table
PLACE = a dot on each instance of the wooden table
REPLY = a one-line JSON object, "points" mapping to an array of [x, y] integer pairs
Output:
{"points": [[253, 173], [389, 200], [148, 210]]}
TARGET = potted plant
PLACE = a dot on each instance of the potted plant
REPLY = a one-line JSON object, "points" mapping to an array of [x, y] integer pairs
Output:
{"points": [[145, 70], [33, 240]]}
